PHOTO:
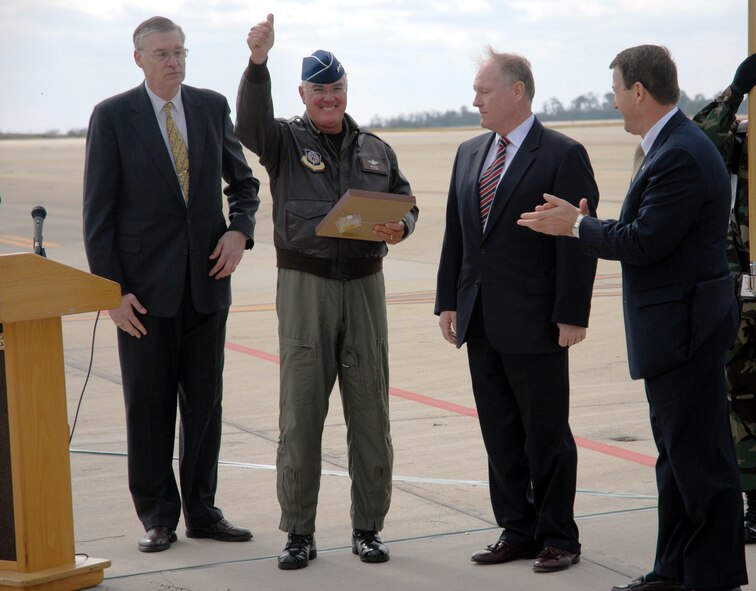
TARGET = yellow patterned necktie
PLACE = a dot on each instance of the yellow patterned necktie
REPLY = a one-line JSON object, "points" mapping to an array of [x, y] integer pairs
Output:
{"points": [[178, 149], [638, 158]]}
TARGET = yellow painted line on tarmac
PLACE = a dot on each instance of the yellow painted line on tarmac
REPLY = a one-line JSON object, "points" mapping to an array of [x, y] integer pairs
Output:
{"points": [[605, 286], [25, 242], [254, 308]]}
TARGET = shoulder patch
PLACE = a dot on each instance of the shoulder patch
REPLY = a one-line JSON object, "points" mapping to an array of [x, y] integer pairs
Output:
{"points": [[313, 160]]}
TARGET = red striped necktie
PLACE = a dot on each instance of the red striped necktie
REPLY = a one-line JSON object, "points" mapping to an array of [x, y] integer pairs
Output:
{"points": [[490, 180]]}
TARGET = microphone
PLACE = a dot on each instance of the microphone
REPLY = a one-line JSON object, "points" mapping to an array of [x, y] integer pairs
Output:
{"points": [[38, 214]]}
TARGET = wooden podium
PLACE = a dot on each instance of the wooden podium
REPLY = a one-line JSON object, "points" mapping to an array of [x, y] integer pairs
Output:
{"points": [[36, 510]]}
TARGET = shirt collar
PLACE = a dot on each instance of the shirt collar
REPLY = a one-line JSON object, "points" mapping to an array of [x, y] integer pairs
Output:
{"points": [[517, 135], [650, 137], [158, 103]]}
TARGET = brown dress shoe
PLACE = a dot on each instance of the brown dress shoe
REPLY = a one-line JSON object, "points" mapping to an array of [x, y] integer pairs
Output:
{"points": [[552, 559], [223, 531], [502, 551], [641, 584], [157, 539]]}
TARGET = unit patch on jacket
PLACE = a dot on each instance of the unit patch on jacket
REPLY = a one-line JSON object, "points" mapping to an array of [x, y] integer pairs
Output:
{"points": [[370, 164], [313, 160]]}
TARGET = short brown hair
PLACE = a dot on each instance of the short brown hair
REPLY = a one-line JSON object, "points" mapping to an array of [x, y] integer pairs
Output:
{"points": [[652, 66]]}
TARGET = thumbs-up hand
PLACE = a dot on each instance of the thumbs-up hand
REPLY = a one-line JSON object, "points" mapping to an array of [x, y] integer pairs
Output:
{"points": [[745, 76], [260, 39]]}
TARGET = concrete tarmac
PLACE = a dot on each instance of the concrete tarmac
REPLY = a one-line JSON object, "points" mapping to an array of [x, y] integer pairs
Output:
{"points": [[440, 513]]}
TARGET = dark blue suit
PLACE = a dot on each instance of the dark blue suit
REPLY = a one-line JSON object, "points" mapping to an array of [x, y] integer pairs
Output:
{"points": [[680, 317], [139, 232], [510, 287]]}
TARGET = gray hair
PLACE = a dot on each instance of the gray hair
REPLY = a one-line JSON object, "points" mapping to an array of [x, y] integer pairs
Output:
{"points": [[514, 68], [307, 84], [156, 24]]}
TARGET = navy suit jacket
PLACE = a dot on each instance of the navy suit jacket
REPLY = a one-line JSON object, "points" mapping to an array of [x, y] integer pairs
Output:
{"points": [[138, 231], [671, 240], [527, 282]]}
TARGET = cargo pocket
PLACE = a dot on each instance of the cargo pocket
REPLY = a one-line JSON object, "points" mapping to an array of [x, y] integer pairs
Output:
{"points": [[302, 216], [352, 380], [298, 372]]}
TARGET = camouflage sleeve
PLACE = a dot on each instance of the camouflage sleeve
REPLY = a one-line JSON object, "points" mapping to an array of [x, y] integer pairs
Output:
{"points": [[737, 234], [716, 120]]}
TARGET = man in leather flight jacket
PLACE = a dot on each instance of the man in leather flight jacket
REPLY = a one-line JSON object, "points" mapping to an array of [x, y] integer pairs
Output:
{"points": [[331, 296]]}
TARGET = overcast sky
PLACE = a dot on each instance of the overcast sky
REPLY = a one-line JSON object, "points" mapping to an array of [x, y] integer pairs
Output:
{"points": [[58, 58]]}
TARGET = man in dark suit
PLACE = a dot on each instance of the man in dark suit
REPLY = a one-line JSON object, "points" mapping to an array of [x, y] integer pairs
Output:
{"points": [[680, 318], [154, 222], [519, 300]]}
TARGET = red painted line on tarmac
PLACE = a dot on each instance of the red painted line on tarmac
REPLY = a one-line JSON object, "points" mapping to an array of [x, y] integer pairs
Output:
{"points": [[617, 452], [604, 448], [434, 402], [253, 352]]}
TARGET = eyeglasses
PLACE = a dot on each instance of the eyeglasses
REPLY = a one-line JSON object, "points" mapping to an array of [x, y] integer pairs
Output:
{"points": [[162, 55]]}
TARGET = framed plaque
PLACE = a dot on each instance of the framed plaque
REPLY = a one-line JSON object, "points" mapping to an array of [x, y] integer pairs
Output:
{"points": [[355, 214]]}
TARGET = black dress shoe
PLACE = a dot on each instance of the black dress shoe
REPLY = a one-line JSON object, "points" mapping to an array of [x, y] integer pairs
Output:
{"points": [[222, 530], [502, 551], [299, 550], [368, 546], [641, 584], [157, 539], [552, 559]]}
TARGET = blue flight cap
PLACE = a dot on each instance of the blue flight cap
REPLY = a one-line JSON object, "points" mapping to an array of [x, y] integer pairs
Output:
{"points": [[321, 67]]}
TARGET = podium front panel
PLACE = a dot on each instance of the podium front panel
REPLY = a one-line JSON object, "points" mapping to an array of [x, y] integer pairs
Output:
{"points": [[7, 516]]}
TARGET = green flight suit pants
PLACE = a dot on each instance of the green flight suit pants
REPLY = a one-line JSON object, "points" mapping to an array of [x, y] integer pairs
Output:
{"points": [[331, 329]]}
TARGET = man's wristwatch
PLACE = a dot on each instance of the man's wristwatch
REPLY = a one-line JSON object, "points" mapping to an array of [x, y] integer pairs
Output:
{"points": [[576, 225]]}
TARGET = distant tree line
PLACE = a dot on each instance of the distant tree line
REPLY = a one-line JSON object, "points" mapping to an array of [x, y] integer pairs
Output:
{"points": [[52, 133], [591, 106], [584, 107]]}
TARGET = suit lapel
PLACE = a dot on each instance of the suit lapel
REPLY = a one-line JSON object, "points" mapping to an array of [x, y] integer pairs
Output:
{"points": [[475, 166], [640, 176], [665, 132], [196, 124], [147, 128], [515, 173]]}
